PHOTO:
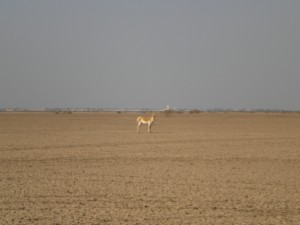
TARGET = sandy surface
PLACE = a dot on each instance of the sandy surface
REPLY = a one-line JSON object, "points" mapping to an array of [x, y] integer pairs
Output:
{"points": [[206, 168]]}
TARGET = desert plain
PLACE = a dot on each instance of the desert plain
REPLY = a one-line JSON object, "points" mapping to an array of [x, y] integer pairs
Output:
{"points": [[202, 168]]}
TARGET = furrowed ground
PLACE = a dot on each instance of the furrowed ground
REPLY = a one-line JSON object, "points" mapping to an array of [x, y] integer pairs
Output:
{"points": [[204, 168]]}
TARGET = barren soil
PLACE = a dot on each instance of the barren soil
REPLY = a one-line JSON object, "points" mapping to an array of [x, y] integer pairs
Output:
{"points": [[205, 168]]}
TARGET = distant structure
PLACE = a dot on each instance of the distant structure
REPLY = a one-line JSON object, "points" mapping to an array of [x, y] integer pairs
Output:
{"points": [[168, 108]]}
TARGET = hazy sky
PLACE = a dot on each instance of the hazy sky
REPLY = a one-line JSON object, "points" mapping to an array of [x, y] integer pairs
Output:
{"points": [[150, 53]]}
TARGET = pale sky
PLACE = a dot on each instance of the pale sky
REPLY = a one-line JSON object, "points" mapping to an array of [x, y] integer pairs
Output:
{"points": [[198, 54]]}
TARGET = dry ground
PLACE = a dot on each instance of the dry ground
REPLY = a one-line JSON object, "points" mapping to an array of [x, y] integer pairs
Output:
{"points": [[206, 168]]}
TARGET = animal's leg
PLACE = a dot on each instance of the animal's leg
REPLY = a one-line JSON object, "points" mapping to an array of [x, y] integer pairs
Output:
{"points": [[138, 127]]}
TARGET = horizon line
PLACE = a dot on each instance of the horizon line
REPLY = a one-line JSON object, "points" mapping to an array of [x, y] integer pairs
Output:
{"points": [[118, 109]]}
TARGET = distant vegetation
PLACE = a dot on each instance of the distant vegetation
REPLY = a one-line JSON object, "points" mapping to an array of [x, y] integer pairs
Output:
{"points": [[63, 112], [170, 112], [193, 111]]}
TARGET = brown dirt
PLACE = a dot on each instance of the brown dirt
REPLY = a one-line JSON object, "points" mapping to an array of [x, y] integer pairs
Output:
{"points": [[206, 168]]}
